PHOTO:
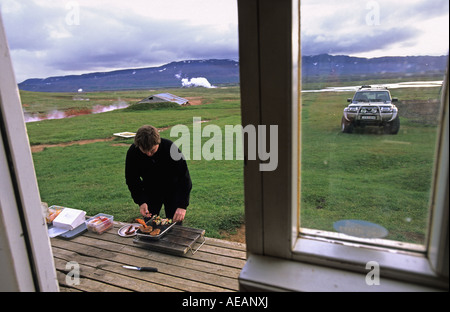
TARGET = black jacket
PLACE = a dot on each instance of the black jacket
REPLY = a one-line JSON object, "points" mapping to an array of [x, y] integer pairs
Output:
{"points": [[158, 176]]}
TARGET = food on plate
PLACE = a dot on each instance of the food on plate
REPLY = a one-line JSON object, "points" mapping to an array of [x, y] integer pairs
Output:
{"points": [[130, 230]]}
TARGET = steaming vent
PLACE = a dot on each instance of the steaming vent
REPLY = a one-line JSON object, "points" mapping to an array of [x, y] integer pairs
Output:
{"points": [[57, 114]]}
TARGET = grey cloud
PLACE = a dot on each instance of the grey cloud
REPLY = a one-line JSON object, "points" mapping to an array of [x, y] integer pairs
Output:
{"points": [[425, 9], [111, 39], [133, 43], [42, 42], [345, 29], [351, 43], [27, 28]]}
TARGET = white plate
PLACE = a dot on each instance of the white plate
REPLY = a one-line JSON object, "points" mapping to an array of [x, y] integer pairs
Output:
{"points": [[124, 228]]}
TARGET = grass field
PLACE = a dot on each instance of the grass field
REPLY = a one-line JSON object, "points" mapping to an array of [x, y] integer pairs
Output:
{"points": [[91, 176], [365, 175]]}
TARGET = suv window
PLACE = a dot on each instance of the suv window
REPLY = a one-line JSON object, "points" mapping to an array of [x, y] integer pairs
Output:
{"points": [[372, 96]]}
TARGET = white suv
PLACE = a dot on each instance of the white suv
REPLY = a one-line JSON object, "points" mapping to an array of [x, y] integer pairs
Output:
{"points": [[371, 106]]}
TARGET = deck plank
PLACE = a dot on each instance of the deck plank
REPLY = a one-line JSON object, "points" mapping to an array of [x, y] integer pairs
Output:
{"points": [[87, 285], [205, 253], [113, 273], [215, 267], [209, 263]]}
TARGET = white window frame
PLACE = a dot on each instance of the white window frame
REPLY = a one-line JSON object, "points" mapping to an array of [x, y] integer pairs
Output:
{"points": [[278, 257], [26, 258]]}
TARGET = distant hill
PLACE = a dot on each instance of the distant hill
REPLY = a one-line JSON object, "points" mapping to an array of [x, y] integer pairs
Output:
{"points": [[170, 75], [216, 72], [342, 65]]}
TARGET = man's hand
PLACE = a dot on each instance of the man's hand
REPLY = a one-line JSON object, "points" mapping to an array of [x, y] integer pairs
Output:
{"points": [[144, 210], [179, 215]]}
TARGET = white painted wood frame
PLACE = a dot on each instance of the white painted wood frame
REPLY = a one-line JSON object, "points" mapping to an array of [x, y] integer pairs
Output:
{"points": [[278, 257], [26, 259]]}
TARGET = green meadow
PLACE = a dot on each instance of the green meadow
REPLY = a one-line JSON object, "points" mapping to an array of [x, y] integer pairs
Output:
{"points": [[365, 175], [91, 176]]}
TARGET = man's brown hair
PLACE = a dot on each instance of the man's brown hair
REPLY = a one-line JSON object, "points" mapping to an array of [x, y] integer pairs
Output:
{"points": [[147, 137]]}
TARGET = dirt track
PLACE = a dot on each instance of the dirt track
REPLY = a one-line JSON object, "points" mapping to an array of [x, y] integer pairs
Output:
{"points": [[40, 147]]}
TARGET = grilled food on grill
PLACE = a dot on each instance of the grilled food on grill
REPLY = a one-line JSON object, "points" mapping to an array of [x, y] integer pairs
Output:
{"points": [[147, 229], [155, 232]]}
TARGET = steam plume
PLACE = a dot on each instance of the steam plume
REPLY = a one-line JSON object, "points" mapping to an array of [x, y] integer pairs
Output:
{"points": [[196, 82]]}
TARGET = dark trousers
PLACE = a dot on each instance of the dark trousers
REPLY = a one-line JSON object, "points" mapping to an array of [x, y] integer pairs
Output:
{"points": [[155, 205]]}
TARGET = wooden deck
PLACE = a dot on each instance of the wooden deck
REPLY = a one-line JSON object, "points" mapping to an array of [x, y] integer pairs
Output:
{"points": [[215, 267]]}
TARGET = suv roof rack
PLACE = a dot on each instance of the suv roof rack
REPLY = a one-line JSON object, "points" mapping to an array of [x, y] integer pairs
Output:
{"points": [[370, 87]]}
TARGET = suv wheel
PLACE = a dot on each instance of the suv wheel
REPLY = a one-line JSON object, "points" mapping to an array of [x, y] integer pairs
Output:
{"points": [[392, 127], [346, 126]]}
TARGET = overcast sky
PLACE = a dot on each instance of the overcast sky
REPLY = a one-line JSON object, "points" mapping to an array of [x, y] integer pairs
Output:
{"points": [[59, 37]]}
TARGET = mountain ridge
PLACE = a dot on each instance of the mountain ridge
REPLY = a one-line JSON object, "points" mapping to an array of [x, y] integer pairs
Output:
{"points": [[226, 71], [347, 65]]}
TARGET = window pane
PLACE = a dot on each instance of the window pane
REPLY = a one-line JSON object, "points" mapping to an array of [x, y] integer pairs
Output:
{"points": [[372, 73]]}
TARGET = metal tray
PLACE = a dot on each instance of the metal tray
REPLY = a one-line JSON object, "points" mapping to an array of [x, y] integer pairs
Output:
{"points": [[164, 230]]}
